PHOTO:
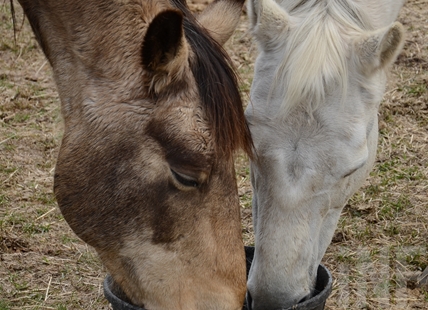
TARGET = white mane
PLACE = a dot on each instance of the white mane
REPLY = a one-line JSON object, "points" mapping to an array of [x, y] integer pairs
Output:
{"points": [[315, 56]]}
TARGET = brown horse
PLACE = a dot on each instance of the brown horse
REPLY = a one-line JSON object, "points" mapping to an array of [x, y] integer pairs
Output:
{"points": [[152, 119]]}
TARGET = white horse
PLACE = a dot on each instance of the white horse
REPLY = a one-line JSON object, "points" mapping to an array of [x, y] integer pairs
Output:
{"points": [[319, 78]]}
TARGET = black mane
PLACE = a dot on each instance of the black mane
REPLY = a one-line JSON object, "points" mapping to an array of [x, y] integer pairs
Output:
{"points": [[218, 87]]}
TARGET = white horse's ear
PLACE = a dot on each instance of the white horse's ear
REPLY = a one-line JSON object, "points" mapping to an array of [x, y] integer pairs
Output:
{"points": [[165, 51], [376, 50], [268, 20], [220, 18]]}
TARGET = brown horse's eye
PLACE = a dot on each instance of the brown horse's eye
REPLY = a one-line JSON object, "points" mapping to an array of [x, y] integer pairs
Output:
{"points": [[185, 180]]}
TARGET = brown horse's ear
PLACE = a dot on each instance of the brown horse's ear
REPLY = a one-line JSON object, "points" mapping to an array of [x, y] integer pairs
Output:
{"points": [[220, 18], [165, 51]]}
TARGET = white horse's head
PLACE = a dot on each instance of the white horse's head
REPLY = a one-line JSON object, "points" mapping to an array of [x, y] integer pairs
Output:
{"points": [[319, 79]]}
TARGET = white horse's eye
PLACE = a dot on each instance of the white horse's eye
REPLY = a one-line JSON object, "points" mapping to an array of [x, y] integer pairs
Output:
{"points": [[184, 182], [350, 172]]}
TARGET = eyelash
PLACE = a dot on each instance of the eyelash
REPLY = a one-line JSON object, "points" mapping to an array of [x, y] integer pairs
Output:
{"points": [[184, 181]]}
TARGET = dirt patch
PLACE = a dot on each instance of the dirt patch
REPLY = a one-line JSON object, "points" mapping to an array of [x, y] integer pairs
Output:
{"points": [[377, 255]]}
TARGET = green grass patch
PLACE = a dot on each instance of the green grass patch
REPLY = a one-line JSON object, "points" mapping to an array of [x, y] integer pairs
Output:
{"points": [[47, 198], [32, 228], [4, 305], [416, 90], [417, 259], [21, 117], [3, 199], [18, 283]]}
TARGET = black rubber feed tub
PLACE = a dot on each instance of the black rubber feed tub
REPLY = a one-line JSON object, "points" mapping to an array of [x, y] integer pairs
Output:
{"points": [[317, 302], [322, 288]]}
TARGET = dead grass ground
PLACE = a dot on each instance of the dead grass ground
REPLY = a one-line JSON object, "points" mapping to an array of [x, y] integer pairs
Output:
{"points": [[380, 243]]}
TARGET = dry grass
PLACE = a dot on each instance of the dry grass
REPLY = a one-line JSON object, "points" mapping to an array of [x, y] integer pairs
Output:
{"points": [[381, 240]]}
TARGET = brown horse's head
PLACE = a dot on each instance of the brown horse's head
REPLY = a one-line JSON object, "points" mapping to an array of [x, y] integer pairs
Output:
{"points": [[152, 118]]}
